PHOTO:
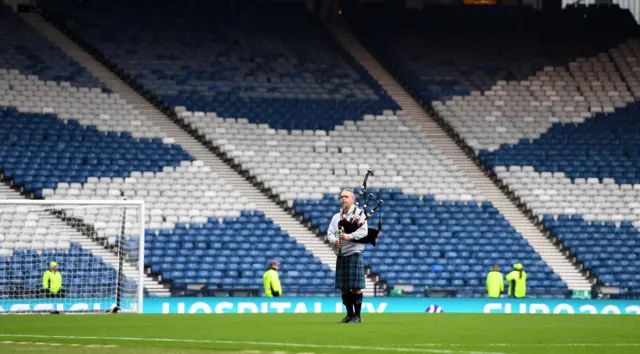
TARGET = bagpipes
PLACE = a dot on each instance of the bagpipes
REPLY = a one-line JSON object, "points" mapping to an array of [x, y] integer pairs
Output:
{"points": [[349, 226]]}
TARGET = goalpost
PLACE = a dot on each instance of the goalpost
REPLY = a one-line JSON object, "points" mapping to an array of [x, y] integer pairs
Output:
{"points": [[98, 246]]}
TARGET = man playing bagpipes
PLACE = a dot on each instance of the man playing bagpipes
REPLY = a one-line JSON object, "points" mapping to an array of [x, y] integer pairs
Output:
{"points": [[348, 232], [350, 225]]}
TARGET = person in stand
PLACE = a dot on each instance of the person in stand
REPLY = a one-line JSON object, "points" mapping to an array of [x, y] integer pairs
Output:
{"points": [[349, 262], [495, 282], [271, 280], [517, 280], [52, 282]]}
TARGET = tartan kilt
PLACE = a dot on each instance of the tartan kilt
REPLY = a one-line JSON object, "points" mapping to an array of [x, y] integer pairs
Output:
{"points": [[350, 272]]}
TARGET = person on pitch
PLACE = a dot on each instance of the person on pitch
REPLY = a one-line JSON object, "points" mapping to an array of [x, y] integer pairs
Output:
{"points": [[349, 263], [52, 282], [271, 280]]}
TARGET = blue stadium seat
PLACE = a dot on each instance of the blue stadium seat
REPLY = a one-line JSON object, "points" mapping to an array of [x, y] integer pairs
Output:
{"points": [[446, 261], [322, 90]]}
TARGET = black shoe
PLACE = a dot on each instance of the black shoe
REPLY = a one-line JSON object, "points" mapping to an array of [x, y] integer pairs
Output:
{"points": [[346, 319], [355, 319]]}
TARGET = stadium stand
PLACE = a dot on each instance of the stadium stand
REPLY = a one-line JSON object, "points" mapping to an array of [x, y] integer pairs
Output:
{"points": [[303, 159], [283, 64], [560, 132], [23, 50], [307, 164], [231, 254], [75, 140], [25, 256], [445, 51], [452, 245]]}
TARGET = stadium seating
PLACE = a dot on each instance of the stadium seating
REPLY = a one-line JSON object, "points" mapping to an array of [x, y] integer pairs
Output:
{"points": [[41, 151], [515, 111], [45, 236], [25, 58], [607, 248], [282, 69], [442, 245], [411, 165], [561, 139], [446, 51], [233, 254], [67, 138], [22, 49], [305, 164], [299, 141], [21, 273]]}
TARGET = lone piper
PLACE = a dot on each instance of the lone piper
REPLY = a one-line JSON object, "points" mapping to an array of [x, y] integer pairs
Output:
{"points": [[349, 263]]}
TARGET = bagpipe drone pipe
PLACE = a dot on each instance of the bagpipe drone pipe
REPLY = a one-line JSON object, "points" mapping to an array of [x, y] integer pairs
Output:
{"points": [[360, 217]]}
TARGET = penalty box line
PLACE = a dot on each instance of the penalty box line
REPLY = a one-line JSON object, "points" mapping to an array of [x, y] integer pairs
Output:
{"points": [[275, 344]]}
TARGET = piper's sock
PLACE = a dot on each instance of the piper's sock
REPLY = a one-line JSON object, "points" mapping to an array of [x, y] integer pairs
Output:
{"points": [[348, 303], [357, 302]]}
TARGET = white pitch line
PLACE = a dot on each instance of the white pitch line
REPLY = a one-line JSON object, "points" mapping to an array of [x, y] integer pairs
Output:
{"points": [[293, 345], [566, 344], [60, 344], [529, 345]]}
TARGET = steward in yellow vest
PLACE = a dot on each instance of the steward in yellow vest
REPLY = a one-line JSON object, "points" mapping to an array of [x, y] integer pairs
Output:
{"points": [[271, 280], [52, 281], [495, 282], [517, 280]]}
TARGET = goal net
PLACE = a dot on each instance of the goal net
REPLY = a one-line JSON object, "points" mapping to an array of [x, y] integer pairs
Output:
{"points": [[71, 256]]}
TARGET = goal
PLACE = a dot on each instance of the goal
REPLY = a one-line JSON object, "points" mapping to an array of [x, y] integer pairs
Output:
{"points": [[97, 246]]}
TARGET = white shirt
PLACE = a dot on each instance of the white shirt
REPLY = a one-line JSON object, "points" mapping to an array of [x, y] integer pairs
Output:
{"points": [[348, 247]]}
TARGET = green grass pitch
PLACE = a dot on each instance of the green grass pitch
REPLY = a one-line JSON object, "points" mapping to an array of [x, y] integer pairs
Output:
{"points": [[319, 334]]}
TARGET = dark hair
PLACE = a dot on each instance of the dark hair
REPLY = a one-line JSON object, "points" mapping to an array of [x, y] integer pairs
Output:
{"points": [[520, 273]]}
